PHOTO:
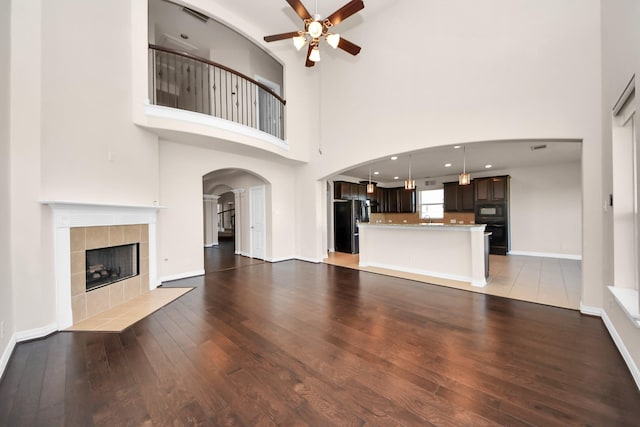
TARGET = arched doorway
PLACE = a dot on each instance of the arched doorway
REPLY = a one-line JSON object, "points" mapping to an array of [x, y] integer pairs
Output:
{"points": [[233, 212]]}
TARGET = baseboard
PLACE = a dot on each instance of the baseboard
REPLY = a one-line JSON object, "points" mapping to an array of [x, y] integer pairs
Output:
{"points": [[280, 259], [622, 348], [591, 311], [313, 260], [6, 354], [467, 279], [32, 334], [179, 276], [546, 255]]}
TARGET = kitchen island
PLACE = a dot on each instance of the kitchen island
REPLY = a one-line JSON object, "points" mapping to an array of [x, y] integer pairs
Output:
{"points": [[448, 251]]}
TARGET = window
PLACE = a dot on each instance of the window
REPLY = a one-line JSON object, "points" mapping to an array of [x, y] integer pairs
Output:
{"points": [[432, 204], [626, 191]]}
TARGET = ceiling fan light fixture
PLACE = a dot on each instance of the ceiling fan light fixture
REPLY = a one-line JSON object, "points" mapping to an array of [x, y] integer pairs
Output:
{"points": [[299, 41], [315, 54], [315, 29], [333, 40]]}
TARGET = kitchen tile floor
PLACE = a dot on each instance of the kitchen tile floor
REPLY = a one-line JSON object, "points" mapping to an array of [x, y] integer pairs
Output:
{"points": [[550, 281]]}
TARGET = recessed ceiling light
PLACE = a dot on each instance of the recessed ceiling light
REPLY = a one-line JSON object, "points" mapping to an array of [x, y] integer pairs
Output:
{"points": [[394, 158], [457, 146], [376, 173], [488, 166], [447, 165], [395, 177]]}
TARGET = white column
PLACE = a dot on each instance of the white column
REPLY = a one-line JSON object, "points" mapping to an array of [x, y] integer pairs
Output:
{"points": [[237, 193], [210, 206]]}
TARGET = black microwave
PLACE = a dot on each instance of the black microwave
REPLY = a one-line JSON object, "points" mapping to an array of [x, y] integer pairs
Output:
{"points": [[490, 210]]}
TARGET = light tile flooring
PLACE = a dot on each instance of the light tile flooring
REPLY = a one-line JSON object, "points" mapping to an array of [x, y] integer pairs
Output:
{"points": [[550, 281], [126, 314]]}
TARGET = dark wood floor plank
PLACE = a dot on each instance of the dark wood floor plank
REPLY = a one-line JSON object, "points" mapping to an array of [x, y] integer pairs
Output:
{"points": [[27, 396], [300, 344]]}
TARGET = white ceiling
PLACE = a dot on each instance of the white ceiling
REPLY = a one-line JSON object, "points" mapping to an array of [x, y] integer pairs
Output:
{"points": [[430, 163]]}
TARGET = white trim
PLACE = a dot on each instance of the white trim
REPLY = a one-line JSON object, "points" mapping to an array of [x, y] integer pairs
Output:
{"points": [[184, 275], [421, 272], [212, 245], [279, 259], [313, 260], [627, 299], [622, 348], [591, 311], [6, 355], [32, 334], [213, 122], [577, 257]]}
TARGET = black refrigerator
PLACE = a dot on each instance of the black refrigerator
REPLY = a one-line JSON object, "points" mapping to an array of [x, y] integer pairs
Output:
{"points": [[347, 214]]}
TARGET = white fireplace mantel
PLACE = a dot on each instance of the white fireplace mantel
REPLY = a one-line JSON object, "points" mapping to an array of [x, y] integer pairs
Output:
{"points": [[67, 215]]}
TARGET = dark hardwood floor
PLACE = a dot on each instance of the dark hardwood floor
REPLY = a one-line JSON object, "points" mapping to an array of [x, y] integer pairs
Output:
{"points": [[294, 343]]}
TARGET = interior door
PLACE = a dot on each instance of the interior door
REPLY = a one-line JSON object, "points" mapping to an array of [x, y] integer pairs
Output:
{"points": [[257, 221]]}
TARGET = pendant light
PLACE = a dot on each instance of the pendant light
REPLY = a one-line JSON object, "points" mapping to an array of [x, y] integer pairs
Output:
{"points": [[464, 178], [409, 184], [371, 188]]}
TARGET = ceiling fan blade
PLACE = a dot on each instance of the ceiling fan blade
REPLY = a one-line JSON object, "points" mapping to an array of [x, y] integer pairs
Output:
{"points": [[300, 9], [345, 11], [276, 37], [349, 47], [309, 63]]}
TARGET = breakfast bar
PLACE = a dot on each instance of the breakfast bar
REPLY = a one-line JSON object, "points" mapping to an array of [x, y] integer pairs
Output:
{"points": [[448, 251]]}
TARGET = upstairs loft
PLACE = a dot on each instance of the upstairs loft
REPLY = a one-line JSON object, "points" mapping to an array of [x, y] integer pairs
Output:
{"points": [[187, 82], [207, 85]]}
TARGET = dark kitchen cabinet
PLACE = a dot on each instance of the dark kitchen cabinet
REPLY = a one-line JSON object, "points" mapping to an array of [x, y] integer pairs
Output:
{"points": [[458, 198], [343, 190], [406, 200], [392, 199], [493, 189]]}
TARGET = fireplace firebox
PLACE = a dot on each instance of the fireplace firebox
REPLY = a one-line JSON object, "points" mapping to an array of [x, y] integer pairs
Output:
{"points": [[111, 264]]}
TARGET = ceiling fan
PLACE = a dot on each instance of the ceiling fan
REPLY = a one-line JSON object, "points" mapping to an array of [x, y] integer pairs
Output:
{"points": [[316, 28]]}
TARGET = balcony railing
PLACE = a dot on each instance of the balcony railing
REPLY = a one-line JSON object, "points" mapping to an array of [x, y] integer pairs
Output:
{"points": [[187, 82]]}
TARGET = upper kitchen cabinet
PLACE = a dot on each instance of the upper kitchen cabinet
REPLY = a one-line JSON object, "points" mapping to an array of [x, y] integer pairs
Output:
{"points": [[458, 198], [343, 190], [493, 189]]}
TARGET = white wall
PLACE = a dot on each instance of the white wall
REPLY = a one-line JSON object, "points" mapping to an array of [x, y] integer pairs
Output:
{"points": [[620, 60], [91, 148], [6, 283], [180, 224], [31, 246], [546, 210]]}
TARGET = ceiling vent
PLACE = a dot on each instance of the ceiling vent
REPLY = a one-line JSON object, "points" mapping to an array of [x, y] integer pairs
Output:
{"points": [[430, 182], [538, 147], [199, 16]]}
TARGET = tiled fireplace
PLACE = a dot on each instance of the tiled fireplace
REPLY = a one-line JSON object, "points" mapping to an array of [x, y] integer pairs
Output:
{"points": [[87, 303], [80, 227]]}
